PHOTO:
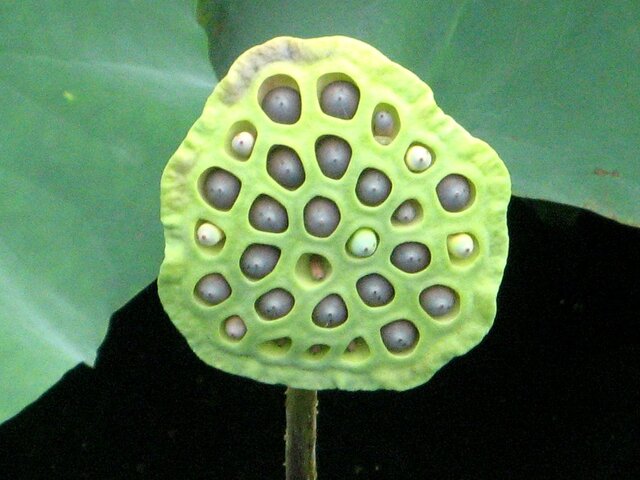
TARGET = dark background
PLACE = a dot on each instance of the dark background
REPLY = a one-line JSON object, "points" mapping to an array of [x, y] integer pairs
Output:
{"points": [[552, 392]]}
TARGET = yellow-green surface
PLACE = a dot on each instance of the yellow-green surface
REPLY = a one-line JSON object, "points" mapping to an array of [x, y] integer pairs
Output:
{"points": [[476, 280]]}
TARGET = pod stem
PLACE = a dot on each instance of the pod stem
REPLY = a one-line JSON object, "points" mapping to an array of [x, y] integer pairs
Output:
{"points": [[300, 454]]}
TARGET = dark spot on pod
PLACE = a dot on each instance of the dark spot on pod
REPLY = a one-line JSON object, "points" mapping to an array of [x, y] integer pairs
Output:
{"points": [[438, 300], [373, 187], [411, 257], [221, 189], [321, 217], [285, 167], [375, 290], [258, 260], [330, 312], [213, 289], [454, 193], [399, 336], [275, 303], [333, 155], [268, 215], [340, 99], [282, 105]]}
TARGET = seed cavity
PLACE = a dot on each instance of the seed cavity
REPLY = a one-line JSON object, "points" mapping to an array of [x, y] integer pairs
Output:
{"points": [[220, 188], [439, 301], [407, 212], [411, 257], [455, 193], [375, 290], [282, 105], [399, 336], [373, 187], [333, 155], [385, 123], [268, 215], [285, 167], [340, 99], [213, 289], [330, 312], [259, 260], [274, 304], [321, 217]]}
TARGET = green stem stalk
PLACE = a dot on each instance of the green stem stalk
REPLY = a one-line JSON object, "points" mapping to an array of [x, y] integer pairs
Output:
{"points": [[300, 455]]}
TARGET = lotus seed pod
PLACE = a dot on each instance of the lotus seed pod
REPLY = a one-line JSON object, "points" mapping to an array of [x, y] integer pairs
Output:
{"points": [[268, 215], [411, 257], [213, 289], [340, 99], [330, 312], [375, 290], [275, 304], [235, 327], [373, 187], [242, 144], [334, 155], [209, 235], [438, 300], [358, 172], [460, 245], [454, 193], [407, 212], [282, 105], [399, 336], [363, 243], [258, 260], [418, 158], [383, 124], [221, 189], [321, 217]]}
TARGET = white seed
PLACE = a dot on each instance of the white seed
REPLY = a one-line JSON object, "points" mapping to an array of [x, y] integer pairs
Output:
{"points": [[221, 189], [418, 158], [282, 105], [242, 144], [407, 212], [268, 215], [330, 312], [321, 217], [373, 187], [363, 243], [460, 245], [399, 336], [275, 303], [213, 289], [235, 327], [383, 124], [285, 167], [375, 290], [340, 99], [258, 260], [209, 235], [438, 300], [411, 257], [454, 193], [333, 154]]}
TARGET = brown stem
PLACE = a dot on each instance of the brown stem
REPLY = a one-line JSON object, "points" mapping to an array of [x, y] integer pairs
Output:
{"points": [[300, 455]]}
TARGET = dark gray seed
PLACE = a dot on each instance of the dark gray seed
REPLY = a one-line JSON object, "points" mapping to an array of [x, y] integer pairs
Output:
{"points": [[373, 187], [258, 260], [406, 212], [221, 189], [275, 303], [333, 154], [268, 215], [330, 312], [383, 124], [438, 300], [399, 336], [285, 167], [321, 217], [282, 105], [454, 193], [375, 290], [213, 289], [411, 257], [340, 99]]}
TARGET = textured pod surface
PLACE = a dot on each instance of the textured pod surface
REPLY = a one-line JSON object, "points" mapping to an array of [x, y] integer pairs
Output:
{"points": [[386, 332]]}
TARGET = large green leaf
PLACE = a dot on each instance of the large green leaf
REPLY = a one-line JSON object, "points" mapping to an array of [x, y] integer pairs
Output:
{"points": [[553, 86], [94, 98]]}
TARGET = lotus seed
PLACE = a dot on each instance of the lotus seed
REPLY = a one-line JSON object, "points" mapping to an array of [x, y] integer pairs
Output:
{"points": [[242, 144], [268, 215], [460, 245], [285, 167], [363, 243], [383, 124], [221, 189], [340, 99], [282, 105], [334, 155], [317, 267], [407, 212], [330, 312], [258, 260], [235, 327], [438, 300], [418, 158], [454, 193], [275, 303], [375, 290], [209, 235], [373, 187], [213, 289], [399, 336], [321, 217], [411, 257]]}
